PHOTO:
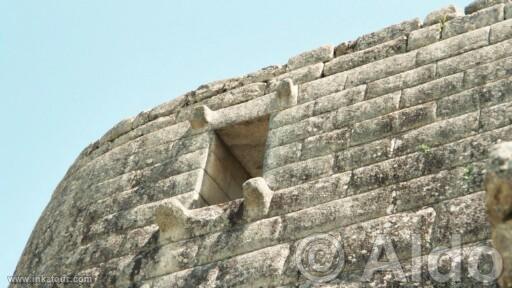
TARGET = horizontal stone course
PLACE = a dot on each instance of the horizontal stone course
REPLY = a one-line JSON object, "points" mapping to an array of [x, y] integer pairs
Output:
{"points": [[486, 73], [501, 31], [432, 90], [352, 60], [423, 37], [477, 5], [401, 81], [299, 76], [367, 109], [341, 99], [299, 173], [482, 18], [326, 143], [473, 58], [453, 46], [320, 54], [379, 37], [322, 87], [282, 155]]}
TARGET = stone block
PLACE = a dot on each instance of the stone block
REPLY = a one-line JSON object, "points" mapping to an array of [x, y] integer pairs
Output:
{"points": [[236, 96], [473, 58], [457, 104], [432, 90], [508, 11], [322, 87], [496, 116], [325, 143], [423, 37], [291, 115], [257, 197], [478, 5], [286, 94], [381, 69], [442, 15], [414, 117], [371, 130], [356, 157], [264, 74], [299, 76], [501, 31], [453, 46], [320, 54], [282, 155], [310, 194], [386, 34], [341, 99], [400, 81], [300, 130], [498, 183], [495, 93], [479, 19], [381, 51], [367, 110], [299, 173], [452, 220], [442, 132], [483, 74]]}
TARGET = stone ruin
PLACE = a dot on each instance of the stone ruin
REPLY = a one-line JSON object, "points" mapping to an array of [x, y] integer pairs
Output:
{"points": [[389, 134]]}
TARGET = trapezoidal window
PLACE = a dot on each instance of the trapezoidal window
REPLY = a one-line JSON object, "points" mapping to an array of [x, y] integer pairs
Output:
{"points": [[235, 156]]}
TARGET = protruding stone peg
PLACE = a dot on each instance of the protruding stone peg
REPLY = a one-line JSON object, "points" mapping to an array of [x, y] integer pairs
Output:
{"points": [[287, 93], [201, 117], [498, 183], [498, 200], [257, 197], [172, 220]]}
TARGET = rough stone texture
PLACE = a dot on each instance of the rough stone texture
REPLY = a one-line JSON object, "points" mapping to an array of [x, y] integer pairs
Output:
{"points": [[390, 137], [442, 15], [498, 183]]}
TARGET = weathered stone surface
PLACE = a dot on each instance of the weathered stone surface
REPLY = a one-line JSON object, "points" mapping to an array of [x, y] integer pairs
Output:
{"points": [[299, 173], [501, 31], [386, 34], [363, 155], [432, 90], [344, 98], [368, 109], [453, 46], [298, 131], [236, 96], [423, 37], [477, 5], [325, 143], [401, 81], [482, 18], [442, 15], [322, 87], [257, 197], [473, 58], [457, 104], [292, 115], [381, 69], [299, 76], [508, 11], [310, 194], [498, 201], [394, 144], [349, 61], [414, 117], [372, 129], [282, 155], [489, 72], [321, 54]]}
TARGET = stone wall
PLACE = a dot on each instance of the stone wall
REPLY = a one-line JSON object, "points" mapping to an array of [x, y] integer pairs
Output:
{"points": [[386, 134]]}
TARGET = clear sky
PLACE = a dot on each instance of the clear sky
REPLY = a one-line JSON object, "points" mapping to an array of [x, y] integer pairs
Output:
{"points": [[70, 70]]}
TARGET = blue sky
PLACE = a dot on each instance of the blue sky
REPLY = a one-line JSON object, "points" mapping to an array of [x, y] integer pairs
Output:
{"points": [[70, 70]]}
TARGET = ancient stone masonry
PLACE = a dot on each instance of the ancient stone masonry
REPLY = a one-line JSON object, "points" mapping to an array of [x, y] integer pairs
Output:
{"points": [[384, 135]]}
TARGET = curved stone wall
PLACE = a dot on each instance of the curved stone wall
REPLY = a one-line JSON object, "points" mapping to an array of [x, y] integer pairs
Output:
{"points": [[386, 134]]}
